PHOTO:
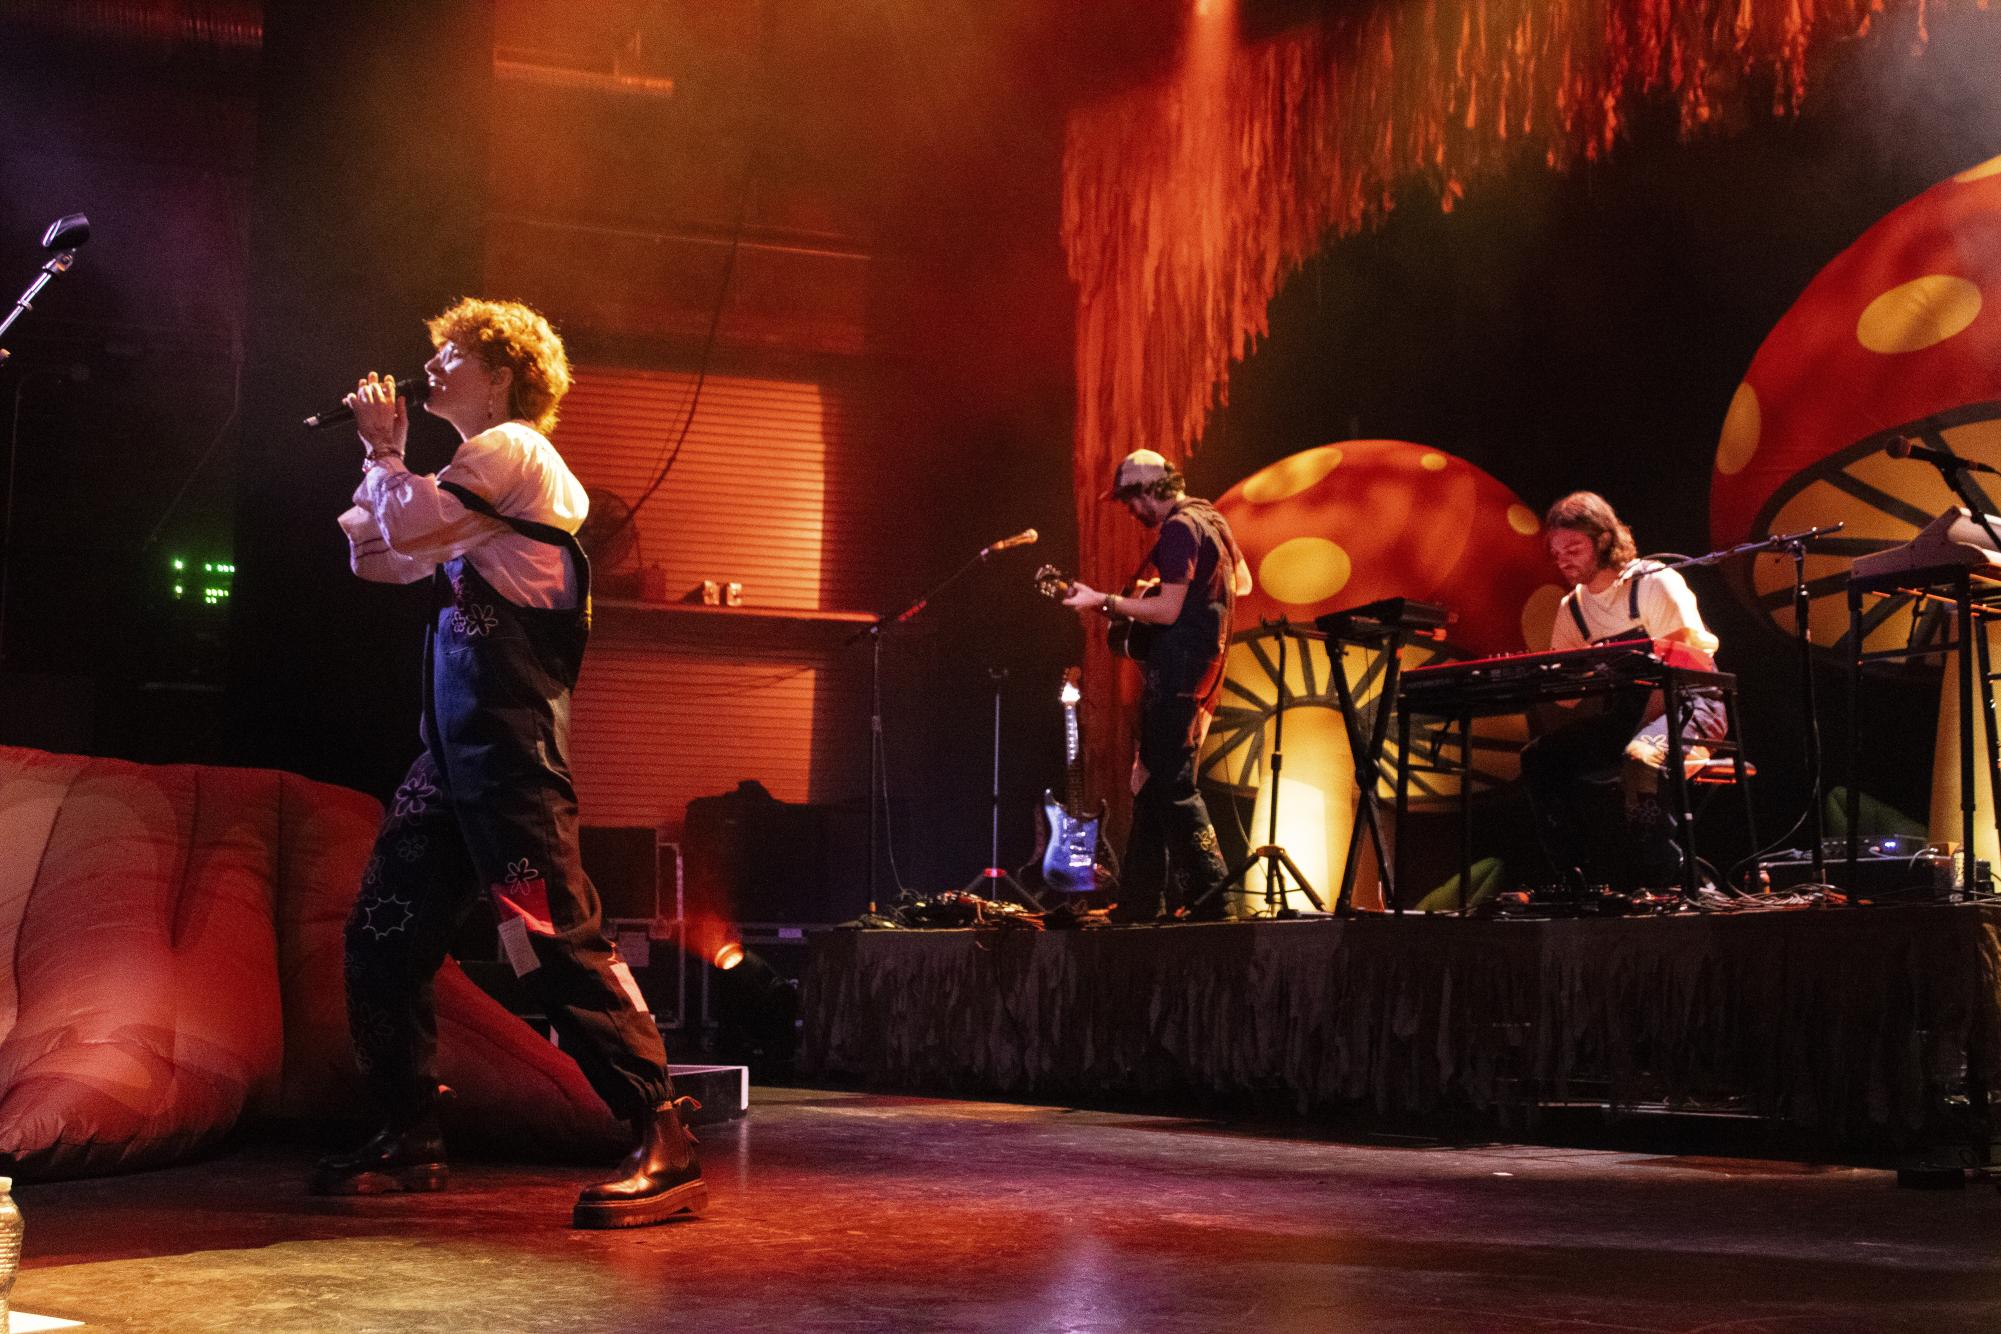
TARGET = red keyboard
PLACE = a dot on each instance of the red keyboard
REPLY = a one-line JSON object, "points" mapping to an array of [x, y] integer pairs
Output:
{"points": [[1517, 680]]}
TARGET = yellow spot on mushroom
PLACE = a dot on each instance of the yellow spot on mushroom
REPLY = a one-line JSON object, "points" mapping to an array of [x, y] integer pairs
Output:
{"points": [[1539, 615], [1991, 167], [1432, 463], [1741, 426], [1917, 314], [1523, 520], [1290, 476], [1304, 570]]}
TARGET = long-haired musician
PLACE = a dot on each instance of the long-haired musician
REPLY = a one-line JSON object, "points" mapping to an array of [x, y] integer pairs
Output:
{"points": [[1571, 770]]}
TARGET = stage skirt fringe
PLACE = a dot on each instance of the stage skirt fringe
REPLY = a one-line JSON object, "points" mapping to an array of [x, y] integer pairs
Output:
{"points": [[1857, 1025]]}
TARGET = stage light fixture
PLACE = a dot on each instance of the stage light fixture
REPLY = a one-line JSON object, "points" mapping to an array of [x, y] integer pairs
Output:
{"points": [[728, 955]]}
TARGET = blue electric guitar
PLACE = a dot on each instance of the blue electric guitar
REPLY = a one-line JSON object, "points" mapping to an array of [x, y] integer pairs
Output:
{"points": [[1069, 837]]}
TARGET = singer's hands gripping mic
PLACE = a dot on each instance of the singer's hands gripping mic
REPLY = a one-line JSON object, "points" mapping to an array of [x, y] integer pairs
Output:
{"points": [[412, 389]]}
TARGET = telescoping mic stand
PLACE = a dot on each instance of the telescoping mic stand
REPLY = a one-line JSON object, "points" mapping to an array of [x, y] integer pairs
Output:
{"points": [[62, 240], [878, 776], [1273, 857]]}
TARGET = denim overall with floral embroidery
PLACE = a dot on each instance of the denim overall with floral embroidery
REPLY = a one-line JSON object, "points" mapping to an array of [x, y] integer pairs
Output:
{"points": [[490, 804]]}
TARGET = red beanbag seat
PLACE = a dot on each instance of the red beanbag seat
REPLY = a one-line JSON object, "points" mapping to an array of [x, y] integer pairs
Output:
{"points": [[170, 962]]}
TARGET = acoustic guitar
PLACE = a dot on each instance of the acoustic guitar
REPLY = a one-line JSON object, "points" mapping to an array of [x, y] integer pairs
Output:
{"points": [[1127, 638], [1069, 838]]}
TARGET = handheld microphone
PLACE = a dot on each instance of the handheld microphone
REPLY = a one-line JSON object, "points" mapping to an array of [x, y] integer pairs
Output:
{"points": [[413, 390], [1903, 447], [1026, 537]]}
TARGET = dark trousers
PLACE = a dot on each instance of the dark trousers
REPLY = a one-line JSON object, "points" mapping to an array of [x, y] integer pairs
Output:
{"points": [[434, 853], [1586, 818], [1172, 850], [1572, 776]]}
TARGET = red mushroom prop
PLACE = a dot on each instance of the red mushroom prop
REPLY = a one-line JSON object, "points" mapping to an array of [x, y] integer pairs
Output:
{"points": [[1352, 522], [1342, 525], [1899, 335]]}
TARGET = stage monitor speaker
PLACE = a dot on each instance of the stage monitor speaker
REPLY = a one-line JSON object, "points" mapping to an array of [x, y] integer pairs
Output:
{"points": [[634, 880], [753, 858]]}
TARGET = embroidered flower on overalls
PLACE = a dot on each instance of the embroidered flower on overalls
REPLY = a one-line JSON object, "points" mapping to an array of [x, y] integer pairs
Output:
{"points": [[521, 873], [371, 1021], [475, 621], [372, 875], [413, 798], [411, 848], [385, 916]]}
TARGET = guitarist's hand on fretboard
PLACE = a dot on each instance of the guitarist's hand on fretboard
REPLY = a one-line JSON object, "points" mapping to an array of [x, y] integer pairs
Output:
{"points": [[1080, 596], [1126, 638]]}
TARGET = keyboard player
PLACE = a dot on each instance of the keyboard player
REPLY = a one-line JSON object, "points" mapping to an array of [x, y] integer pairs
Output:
{"points": [[1594, 777]]}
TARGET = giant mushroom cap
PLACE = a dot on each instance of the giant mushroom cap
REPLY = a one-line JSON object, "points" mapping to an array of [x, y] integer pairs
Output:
{"points": [[1349, 523], [1899, 334]]}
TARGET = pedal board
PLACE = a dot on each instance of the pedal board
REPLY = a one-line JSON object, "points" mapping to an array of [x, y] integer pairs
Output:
{"points": [[1888, 871]]}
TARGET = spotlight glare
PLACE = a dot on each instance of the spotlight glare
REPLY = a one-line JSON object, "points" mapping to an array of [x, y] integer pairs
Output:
{"points": [[728, 955]]}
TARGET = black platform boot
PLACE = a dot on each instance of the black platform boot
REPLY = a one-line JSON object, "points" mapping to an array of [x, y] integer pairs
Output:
{"points": [[406, 1154], [662, 1177]]}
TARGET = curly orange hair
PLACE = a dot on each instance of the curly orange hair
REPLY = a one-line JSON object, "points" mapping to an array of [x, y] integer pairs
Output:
{"points": [[507, 333]]}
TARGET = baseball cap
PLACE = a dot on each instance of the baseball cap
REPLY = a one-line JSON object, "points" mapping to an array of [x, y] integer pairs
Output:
{"points": [[1138, 469]]}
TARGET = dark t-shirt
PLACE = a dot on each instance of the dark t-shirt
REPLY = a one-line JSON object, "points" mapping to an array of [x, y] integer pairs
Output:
{"points": [[1194, 548]]}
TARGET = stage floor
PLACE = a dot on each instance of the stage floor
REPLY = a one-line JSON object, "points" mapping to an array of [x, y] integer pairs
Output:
{"points": [[838, 1211]]}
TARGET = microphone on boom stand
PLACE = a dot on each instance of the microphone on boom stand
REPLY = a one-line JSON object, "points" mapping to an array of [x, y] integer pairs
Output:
{"points": [[1027, 537]]}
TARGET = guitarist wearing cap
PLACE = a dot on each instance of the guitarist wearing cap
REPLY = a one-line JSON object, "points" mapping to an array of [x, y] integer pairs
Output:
{"points": [[1172, 848]]}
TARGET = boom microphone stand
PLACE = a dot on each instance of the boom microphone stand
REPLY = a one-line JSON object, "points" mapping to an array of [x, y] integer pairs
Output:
{"points": [[1794, 544], [63, 239], [1972, 636], [878, 767]]}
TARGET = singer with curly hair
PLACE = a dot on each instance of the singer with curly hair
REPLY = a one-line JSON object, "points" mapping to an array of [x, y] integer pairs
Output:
{"points": [[489, 804]]}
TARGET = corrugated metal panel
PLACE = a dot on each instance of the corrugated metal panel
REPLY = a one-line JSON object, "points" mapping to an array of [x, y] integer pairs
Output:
{"points": [[654, 727], [765, 492], [769, 471]]}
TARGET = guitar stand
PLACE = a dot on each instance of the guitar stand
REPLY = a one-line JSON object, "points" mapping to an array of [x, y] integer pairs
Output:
{"points": [[1273, 856], [989, 883]]}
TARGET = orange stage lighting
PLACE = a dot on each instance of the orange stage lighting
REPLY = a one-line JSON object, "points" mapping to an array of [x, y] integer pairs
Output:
{"points": [[714, 940]]}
